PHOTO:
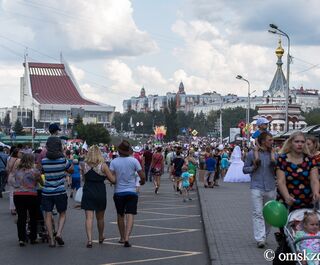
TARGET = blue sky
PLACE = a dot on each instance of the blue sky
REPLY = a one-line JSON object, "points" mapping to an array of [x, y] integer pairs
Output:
{"points": [[117, 46]]}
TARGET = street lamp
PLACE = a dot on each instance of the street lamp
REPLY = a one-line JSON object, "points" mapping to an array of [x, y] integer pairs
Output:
{"points": [[32, 123], [32, 120], [248, 107], [275, 30]]}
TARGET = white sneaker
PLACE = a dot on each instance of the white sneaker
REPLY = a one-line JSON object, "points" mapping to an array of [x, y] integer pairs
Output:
{"points": [[261, 244]]}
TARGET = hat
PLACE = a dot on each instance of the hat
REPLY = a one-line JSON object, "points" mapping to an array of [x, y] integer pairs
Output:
{"points": [[137, 149], [53, 127], [262, 120], [124, 148]]}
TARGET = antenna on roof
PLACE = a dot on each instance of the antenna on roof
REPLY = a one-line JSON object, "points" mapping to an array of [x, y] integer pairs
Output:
{"points": [[61, 57]]}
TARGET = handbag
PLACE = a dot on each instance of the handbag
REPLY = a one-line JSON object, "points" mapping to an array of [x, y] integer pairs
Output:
{"points": [[78, 196]]}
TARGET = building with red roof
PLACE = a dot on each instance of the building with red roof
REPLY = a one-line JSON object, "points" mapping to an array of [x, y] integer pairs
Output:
{"points": [[52, 92]]}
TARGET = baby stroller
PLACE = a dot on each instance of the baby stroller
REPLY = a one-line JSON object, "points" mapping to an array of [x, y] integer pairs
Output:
{"points": [[290, 243], [42, 232]]}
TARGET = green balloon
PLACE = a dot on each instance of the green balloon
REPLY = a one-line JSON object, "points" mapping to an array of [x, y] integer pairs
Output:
{"points": [[275, 213]]}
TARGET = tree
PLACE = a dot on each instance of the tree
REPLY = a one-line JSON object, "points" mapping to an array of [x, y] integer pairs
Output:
{"points": [[212, 119], [312, 117], [232, 117], [170, 114], [18, 128], [93, 134], [6, 121], [76, 123]]}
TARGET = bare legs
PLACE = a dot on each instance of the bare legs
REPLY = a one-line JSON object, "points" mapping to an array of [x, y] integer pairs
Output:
{"points": [[89, 224], [49, 223], [156, 182], [100, 225], [125, 225]]}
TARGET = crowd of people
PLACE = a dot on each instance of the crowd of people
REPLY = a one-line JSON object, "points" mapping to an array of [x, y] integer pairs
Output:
{"points": [[37, 180]]}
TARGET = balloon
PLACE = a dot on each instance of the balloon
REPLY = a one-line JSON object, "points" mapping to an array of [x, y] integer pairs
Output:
{"points": [[275, 213]]}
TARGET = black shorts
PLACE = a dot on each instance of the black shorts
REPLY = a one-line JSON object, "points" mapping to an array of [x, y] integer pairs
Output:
{"points": [[60, 201], [126, 204]]}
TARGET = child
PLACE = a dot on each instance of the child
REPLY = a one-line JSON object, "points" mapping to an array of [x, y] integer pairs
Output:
{"points": [[185, 176], [75, 177], [177, 164], [54, 145], [311, 246], [224, 163], [262, 124]]}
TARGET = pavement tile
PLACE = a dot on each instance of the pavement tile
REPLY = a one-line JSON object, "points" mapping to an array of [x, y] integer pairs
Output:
{"points": [[226, 213]]}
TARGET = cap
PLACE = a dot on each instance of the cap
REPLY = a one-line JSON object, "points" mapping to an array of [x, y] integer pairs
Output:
{"points": [[137, 149], [53, 127], [262, 120]]}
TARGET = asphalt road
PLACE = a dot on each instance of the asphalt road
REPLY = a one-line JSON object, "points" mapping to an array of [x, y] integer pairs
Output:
{"points": [[166, 231]]}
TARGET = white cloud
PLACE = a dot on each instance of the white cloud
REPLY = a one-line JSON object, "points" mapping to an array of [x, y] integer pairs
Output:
{"points": [[213, 62], [78, 73], [94, 28], [10, 84], [151, 79], [121, 76]]}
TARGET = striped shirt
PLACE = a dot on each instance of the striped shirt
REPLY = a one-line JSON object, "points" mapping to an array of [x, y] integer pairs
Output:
{"points": [[54, 171]]}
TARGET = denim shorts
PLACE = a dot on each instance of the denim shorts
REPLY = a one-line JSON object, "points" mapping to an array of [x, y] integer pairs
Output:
{"points": [[60, 201]]}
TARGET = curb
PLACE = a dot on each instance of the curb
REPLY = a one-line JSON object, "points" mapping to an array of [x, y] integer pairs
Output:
{"points": [[209, 235]]}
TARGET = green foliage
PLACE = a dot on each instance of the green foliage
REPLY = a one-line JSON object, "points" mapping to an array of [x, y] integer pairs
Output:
{"points": [[176, 120], [76, 123], [78, 120], [170, 114], [93, 133], [232, 117], [18, 128], [312, 117]]}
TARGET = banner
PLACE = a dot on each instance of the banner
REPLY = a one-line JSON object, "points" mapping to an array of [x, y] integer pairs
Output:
{"points": [[233, 133]]}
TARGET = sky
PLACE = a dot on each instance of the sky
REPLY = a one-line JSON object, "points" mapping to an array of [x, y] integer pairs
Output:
{"points": [[115, 47]]}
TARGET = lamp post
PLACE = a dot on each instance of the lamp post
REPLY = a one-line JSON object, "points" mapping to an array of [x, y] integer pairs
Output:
{"points": [[220, 122], [248, 106], [32, 122], [275, 30]]}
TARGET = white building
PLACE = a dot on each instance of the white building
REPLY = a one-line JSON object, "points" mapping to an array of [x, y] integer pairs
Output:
{"points": [[52, 93]]}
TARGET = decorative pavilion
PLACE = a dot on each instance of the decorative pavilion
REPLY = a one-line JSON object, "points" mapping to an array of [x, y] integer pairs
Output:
{"points": [[273, 107]]}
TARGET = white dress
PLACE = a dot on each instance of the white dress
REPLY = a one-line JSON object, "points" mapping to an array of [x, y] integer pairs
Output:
{"points": [[234, 173]]}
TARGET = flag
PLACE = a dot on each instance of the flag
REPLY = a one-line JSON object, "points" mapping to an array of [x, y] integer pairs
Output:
{"points": [[85, 146]]}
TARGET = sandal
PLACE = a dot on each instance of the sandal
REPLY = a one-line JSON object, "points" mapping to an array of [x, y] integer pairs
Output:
{"points": [[101, 240], [89, 244], [127, 244], [59, 240], [52, 244]]}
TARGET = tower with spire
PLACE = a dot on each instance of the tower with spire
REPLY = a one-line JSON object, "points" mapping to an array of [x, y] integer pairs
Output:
{"points": [[278, 85], [181, 88], [274, 101], [142, 93]]}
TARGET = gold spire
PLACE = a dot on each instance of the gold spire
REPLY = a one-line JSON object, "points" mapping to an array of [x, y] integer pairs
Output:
{"points": [[279, 50]]}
